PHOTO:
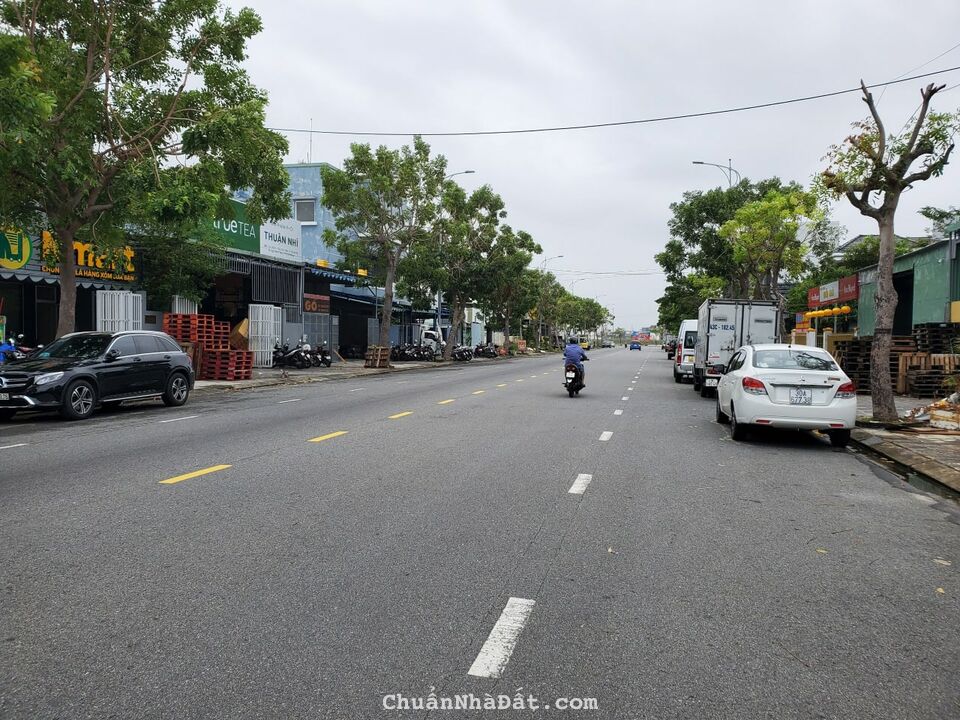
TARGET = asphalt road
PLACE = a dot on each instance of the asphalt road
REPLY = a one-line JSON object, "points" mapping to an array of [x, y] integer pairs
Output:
{"points": [[429, 542]]}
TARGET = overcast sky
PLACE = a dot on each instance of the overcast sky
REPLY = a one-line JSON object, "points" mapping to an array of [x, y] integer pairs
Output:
{"points": [[601, 197]]}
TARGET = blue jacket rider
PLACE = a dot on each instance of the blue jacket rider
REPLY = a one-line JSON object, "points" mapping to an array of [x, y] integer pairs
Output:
{"points": [[573, 353]]}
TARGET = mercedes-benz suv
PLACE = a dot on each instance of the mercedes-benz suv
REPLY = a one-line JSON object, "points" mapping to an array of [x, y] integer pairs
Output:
{"points": [[79, 372]]}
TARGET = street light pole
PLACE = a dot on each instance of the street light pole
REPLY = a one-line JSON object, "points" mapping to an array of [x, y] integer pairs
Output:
{"points": [[728, 170]]}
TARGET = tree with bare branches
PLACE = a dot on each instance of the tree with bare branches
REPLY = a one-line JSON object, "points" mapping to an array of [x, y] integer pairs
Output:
{"points": [[139, 104], [872, 170]]}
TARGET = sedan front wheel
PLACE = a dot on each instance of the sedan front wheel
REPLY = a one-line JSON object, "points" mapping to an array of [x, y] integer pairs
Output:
{"points": [[79, 400]]}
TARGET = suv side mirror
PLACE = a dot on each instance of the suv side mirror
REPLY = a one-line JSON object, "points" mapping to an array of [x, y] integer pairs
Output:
{"points": [[113, 354]]}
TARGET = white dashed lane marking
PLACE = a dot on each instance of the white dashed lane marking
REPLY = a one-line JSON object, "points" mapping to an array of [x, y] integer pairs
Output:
{"points": [[618, 412], [496, 651], [580, 484], [10, 447], [605, 435], [625, 397], [185, 417]]}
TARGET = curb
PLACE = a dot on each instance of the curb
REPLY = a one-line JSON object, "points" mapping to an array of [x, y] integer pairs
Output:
{"points": [[921, 464]]}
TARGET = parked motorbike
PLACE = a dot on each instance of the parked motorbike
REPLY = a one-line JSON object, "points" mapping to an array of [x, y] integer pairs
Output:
{"points": [[319, 355], [285, 356], [485, 350], [14, 349], [573, 379], [462, 353]]}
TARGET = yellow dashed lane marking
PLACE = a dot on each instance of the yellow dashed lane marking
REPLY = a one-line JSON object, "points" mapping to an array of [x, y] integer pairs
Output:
{"points": [[479, 392], [502, 385], [400, 415], [444, 402], [195, 473], [328, 436]]}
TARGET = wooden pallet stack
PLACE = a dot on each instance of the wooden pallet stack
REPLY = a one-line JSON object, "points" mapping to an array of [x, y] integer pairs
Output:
{"points": [[188, 328], [210, 339], [853, 357], [937, 338], [377, 357], [227, 364], [924, 375]]}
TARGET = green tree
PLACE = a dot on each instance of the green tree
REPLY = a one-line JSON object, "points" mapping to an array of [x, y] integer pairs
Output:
{"points": [[505, 287], [454, 259], [120, 91], [385, 202], [871, 169], [765, 240]]}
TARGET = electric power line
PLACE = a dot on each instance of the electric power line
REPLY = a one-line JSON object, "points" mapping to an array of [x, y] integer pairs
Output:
{"points": [[620, 123]]}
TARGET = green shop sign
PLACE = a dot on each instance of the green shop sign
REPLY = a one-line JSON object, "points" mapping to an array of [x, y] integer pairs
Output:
{"points": [[239, 233]]}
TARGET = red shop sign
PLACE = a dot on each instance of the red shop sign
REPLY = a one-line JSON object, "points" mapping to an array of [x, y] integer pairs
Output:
{"points": [[813, 297], [849, 288]]}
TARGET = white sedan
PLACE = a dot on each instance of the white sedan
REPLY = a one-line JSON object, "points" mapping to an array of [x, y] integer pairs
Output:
{"points": [[786, 386]]}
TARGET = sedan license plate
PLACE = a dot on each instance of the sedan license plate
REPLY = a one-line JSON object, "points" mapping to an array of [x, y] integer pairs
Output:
{"points": [[713, 382], [801, 396], [4, 396]]}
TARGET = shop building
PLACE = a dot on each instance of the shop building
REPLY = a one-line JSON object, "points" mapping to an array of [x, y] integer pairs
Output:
{"points": [[30, 288], [927, 282]]}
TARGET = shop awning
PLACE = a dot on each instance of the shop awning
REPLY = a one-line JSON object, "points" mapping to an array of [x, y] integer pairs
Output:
{"points": [[332, 275], [364, 297]]}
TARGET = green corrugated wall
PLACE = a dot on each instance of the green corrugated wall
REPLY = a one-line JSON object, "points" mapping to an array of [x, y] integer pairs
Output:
{"points": [[931, 288]]}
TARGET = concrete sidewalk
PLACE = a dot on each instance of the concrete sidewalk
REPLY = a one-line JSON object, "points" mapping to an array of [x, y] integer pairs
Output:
{"points": [[925, 451]]}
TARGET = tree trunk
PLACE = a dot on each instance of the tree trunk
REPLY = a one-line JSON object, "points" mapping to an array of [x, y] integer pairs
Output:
{"points": [[456, 321], [67, 318], [386, 312], [885, 305], [506, 328]]}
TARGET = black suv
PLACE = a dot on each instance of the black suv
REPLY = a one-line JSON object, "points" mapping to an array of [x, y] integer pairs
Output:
{"points": [[78, 372]]}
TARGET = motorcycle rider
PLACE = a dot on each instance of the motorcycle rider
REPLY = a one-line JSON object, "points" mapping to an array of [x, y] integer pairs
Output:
{"points": [[574, 354]]}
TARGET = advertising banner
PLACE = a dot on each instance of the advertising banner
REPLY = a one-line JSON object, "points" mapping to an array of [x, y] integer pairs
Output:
{"points": [[281, 240], [829, 292], [813, 297], [849, 288]]}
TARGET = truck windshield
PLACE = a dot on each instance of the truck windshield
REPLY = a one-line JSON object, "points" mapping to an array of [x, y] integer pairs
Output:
{"points": [[690, 339], [794, 360]]}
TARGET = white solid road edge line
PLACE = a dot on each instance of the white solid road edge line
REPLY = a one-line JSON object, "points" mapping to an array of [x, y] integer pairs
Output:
{"points": [[606, 435], [281, 402], [498, 648], [8, 447], [580, 484], [186, 417]]}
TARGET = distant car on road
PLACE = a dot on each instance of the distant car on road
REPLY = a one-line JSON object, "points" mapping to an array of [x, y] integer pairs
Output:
{"points": [[636, 346], [784, 386], [79, 372], [585, 343], [607, 344]]}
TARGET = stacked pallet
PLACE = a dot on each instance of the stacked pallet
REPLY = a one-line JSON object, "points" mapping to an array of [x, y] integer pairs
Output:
{"points": [[915, 365], [183, 327], [941, 338], [377, 357], [212, 358], [853, 356], [227, 365]]}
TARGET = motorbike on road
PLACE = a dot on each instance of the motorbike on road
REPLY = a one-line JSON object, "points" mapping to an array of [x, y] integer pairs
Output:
{"points": [[573, 378]]}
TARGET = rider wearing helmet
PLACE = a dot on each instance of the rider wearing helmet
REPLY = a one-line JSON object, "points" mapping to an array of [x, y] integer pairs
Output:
{"points": [[574, 354]]}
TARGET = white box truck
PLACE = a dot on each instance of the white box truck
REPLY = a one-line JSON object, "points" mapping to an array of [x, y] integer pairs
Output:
{"points": [[725, 325]]}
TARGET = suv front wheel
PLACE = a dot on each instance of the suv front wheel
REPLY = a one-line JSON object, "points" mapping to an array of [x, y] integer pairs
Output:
{"points": [[177, 391], [79, 400]]}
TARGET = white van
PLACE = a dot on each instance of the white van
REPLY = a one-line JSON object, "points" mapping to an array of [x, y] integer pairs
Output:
{"points": [[686, 350]]}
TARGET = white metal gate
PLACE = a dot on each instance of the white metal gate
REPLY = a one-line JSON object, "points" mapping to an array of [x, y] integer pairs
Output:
{"points": [[182, 305], [266, 324], [119, 310]]}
